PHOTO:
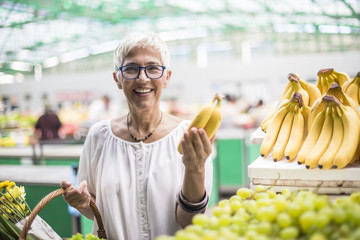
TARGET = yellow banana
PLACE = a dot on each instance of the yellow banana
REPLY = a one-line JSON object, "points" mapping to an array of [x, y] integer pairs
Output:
{"points": [[327, 159], [296, 136], [322, 142], [305, 112], [338, 92], [325, 79], [283, 136], [350, 142], [202, 117], [353, 89], [312, 90], [341, 77], [317, 107], [328, 76], [357, 154], [311, 138], [273, 131], [287, 93], [215, 120], [295, 84], [267, 120]]}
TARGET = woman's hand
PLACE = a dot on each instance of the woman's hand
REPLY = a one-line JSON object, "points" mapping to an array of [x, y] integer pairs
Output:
{"points": [[78, 198], [196, 149]]}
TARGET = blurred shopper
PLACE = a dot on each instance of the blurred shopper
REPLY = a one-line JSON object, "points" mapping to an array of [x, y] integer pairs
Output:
{"points": [[99, 109], [48, 125], [130, 164]]}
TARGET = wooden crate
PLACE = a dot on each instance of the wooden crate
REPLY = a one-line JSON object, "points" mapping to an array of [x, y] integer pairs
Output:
{"points": [[290, 175]]}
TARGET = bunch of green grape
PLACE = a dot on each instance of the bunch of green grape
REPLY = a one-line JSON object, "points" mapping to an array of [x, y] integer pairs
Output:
{"points": [[88, 236], [263, 214]]}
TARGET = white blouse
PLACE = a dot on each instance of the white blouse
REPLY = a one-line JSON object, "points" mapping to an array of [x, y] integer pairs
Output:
{"points": [[135, 184]]}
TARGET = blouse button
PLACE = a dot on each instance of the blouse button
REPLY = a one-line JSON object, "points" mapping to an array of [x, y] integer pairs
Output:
{"points": [[140, 172], [141, 202]]}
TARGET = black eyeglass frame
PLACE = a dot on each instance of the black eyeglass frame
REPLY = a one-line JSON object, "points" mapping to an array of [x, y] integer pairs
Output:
{"points": [[139, 69]]}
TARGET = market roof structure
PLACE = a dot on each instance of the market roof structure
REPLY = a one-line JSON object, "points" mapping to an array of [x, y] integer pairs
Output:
{"points": [[41, 34]]}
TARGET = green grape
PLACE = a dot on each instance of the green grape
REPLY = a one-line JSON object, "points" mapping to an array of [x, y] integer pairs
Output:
{"points": [[209, 234], [286, 192], [251, 235], [280, 203], [356, 234], [218, 210], [77, 236], [323, 219], [307, 220], [289, 233], [263, 202], [200, 219], [235, 198], [321, 202], [235, 205], [261, 195], [293, 209], [259, 188], [283, 219], [344, 229], [224, 220], [91, 236], [318, 236], [264, 228], [213, 223], [307, 205], [235, 228], [196, 229], [271, 193], [223, 203], [339, 215], [266, 213], [250, 205], [237, 220], [355, 197], [244, 192]]}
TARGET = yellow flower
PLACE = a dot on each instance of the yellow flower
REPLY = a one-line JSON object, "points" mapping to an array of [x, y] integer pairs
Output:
{"points": [[10, 185], [4, 184]]}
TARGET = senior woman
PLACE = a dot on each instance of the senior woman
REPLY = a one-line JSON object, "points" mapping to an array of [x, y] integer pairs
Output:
{"points": [[130, 165]]}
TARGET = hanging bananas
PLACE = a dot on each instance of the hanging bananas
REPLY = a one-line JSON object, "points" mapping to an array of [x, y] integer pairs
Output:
{"points": [[328, 76], [352, 89], [209, 118]]}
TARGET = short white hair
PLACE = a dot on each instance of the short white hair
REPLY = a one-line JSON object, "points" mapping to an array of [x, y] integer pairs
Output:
{"points": [[141, 39]]}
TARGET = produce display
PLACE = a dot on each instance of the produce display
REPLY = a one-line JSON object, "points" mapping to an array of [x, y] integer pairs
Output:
{"points": [[319, 126], [263, 214], [209, 118]]}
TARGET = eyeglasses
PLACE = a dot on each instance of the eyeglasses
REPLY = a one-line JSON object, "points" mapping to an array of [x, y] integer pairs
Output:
{"points": [[151, 71]]}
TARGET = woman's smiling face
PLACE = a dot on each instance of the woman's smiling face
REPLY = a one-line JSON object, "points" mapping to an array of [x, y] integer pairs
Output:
{"points": [[143, 92]]}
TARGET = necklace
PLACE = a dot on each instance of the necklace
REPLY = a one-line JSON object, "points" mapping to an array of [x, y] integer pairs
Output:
{"points": [[147, 136]]}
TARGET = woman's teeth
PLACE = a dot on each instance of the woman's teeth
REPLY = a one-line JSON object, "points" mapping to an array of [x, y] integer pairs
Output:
{"points": [[142, 90]]}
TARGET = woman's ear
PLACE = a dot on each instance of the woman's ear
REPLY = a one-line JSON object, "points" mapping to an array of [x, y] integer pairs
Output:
{"points": [[167, 78], [117, 81]]}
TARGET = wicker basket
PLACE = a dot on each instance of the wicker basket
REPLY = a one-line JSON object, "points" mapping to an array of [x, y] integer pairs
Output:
{"points": [[46, 200]]}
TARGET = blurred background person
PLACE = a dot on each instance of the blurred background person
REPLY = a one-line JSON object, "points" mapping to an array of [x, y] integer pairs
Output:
{"points": [[48, 125]]}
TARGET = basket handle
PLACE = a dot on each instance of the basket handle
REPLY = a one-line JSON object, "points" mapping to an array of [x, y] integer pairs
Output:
{"points": [[46, 200]]}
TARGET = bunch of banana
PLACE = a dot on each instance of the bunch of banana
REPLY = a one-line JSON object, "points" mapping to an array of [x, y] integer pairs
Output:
{"points": [[334, 90], [309, 93], [352, 88], [209, 118], [286, 130], [328, 76], [333, 139]]}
